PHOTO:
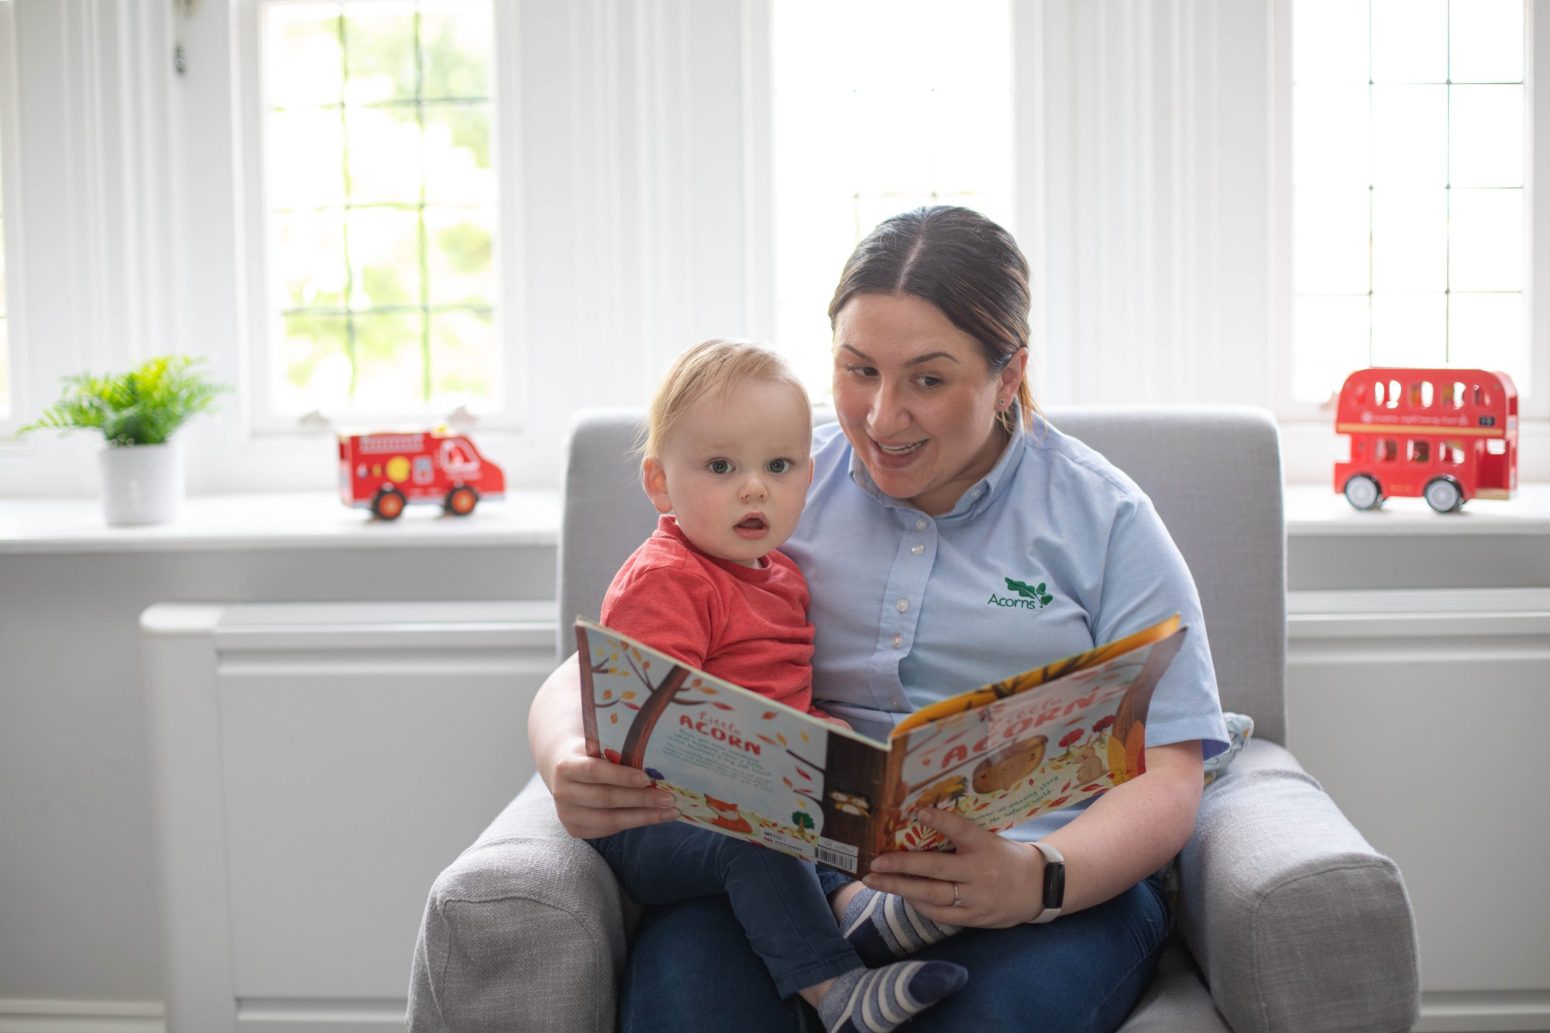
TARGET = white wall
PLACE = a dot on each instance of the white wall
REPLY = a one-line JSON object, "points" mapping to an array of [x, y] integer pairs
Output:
{"points": [[77, 877]]}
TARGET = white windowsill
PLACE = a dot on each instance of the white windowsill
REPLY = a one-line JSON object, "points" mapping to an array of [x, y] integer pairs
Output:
{"points": [[1313, 511], [291, 520], [317, 520]]}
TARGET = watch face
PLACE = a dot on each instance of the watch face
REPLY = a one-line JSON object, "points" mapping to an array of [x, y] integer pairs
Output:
{"points": [[1054, 884]]}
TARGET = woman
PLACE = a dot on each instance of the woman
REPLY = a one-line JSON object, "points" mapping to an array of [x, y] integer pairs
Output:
{"points": [[938, 486]]}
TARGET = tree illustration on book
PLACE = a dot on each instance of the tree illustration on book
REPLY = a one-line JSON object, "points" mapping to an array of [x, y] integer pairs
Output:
{"points": [[628, 690]]}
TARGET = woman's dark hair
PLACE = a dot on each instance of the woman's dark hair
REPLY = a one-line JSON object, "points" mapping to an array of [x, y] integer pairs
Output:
{"points": [[961, 262]]}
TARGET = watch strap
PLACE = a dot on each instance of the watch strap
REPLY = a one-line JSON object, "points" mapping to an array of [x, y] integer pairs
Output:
{"points": [[1054, 890]]}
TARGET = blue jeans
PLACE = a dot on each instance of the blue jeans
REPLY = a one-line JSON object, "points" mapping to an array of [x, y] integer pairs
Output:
{"points": [[777, 910], [689, 970]]}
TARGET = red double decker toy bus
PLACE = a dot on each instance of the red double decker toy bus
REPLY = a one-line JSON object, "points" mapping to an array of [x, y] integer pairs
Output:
{"points": [[386, 472], [1446, 435]]}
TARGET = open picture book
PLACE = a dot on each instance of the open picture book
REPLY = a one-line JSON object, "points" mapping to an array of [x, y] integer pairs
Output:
{"points": [[745, 766]]}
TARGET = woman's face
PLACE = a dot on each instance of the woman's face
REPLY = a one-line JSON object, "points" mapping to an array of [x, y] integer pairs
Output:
{"points": [[916, 398]]}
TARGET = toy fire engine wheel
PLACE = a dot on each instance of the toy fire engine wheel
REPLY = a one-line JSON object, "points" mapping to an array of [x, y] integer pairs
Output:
{"points": [[461, 501], [1444, 494], [389, 504], [1362, 491]]}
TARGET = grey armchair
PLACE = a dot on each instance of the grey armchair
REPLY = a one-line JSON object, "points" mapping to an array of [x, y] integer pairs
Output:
{"points": [[1288, 920]]}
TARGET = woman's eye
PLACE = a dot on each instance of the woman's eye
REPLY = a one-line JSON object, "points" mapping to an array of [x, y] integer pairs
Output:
{"points": [[779, 465], [719, 466], [930, 381], [861, 371]]}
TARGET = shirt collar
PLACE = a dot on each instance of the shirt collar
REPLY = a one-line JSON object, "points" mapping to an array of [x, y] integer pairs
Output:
{"points": [[978, 495]]}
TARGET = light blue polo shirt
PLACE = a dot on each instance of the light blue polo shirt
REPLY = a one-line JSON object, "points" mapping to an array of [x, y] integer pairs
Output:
{"points": [[906, 606]]}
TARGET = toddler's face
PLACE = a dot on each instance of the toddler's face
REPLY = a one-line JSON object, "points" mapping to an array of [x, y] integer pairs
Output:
{"points": [[735, 470]]}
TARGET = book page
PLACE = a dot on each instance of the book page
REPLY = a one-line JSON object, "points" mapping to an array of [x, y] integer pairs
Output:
{"points": [[1049, 746], [736, 762]]}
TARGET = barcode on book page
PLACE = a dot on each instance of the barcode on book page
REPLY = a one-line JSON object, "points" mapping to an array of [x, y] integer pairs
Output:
{"points": [[840, 855]]}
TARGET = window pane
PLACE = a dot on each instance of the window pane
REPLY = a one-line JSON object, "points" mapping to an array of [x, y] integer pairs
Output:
{"points": [[1331, 241], [309, 261], [1486, 331], [463, 343], [455, 54], [878, 106], [379, 51], [1331, 338], [1409, 329], [1330, 127], [1329, 42], [1486, 251], [384, 257], [306, 159], [1486, 41], [459, 248], [389, 361], [384, 154], [1486, 145], [1410, 240], [458, 165], [319, 371], [1409, 41], [1409, 135], [307, 35], [382, 204]]}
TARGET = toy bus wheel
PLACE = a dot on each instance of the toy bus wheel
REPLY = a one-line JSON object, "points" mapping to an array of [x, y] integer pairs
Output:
{"points": [[389, 504], [461, 501], [1362, 491], [1444, 494]]}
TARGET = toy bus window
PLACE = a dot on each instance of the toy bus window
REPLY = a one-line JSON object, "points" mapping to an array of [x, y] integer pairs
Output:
{"points": [[1385, 450], [1392, 399], [1418, 451], [1455, 395], [1496, 446], [1480, 397], [1451, 452], [1421, 394]]}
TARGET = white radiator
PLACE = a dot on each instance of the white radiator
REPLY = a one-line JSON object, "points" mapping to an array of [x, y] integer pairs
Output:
{"points": [[314, 767], [1424, 715]]}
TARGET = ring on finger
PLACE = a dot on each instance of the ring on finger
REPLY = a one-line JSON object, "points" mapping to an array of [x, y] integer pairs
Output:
{"points": [[957, 900]]}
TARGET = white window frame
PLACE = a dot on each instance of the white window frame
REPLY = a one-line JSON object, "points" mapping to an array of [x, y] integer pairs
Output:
{"points": [[1159, 241], [1306, 433], [261, 329]]}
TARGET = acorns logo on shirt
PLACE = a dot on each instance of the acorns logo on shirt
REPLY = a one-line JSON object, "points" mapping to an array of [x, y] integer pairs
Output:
{"points": [[1027, 597]]}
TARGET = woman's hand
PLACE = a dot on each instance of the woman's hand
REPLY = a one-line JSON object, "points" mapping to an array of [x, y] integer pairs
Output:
{"points": [[998, 880], [595, 797]]}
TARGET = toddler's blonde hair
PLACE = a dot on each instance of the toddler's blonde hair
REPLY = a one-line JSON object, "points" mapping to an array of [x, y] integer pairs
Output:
{"points": [[711, 368]]}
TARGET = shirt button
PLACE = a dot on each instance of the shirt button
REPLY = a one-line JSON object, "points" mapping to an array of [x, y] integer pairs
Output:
{"points": [[918, 549], [898, 640], [902, 605], [920, 525]]}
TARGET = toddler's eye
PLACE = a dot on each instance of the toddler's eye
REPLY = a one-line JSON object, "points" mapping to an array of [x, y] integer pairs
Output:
{"points": [[779, 465], [719, 466]]}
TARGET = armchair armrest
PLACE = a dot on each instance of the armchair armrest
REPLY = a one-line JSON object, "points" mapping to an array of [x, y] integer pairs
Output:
{"points": [[1297, 923], [524, 931]]}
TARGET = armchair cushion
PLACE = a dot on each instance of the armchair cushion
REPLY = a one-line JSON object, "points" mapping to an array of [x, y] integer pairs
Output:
{"points": [[1297, 923], [524, 931]]}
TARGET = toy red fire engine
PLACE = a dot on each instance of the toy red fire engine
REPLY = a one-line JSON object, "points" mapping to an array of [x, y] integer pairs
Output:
{"points": [[386, 472], [1446, 435]]}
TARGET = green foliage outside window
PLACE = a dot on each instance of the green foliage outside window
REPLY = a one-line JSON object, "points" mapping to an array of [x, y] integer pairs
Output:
{"points": [[382, 204]]}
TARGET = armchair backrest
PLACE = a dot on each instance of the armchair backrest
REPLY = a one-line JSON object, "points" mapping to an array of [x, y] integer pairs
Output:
{"points": [[1214, 474]]}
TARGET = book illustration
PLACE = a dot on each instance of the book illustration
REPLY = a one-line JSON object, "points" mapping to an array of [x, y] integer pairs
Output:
{"points": [[745, 766], [737, 762]]}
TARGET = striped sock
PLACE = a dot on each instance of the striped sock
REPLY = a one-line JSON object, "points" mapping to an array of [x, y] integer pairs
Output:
{"points": [[884, 927], [876, 1000]]}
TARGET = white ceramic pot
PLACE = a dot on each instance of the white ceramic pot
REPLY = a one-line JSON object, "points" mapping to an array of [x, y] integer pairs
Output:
{"points": [[142, 484]]}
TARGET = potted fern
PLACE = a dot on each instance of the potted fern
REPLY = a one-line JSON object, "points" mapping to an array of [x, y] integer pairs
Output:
{"points": [[137, 413]]}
